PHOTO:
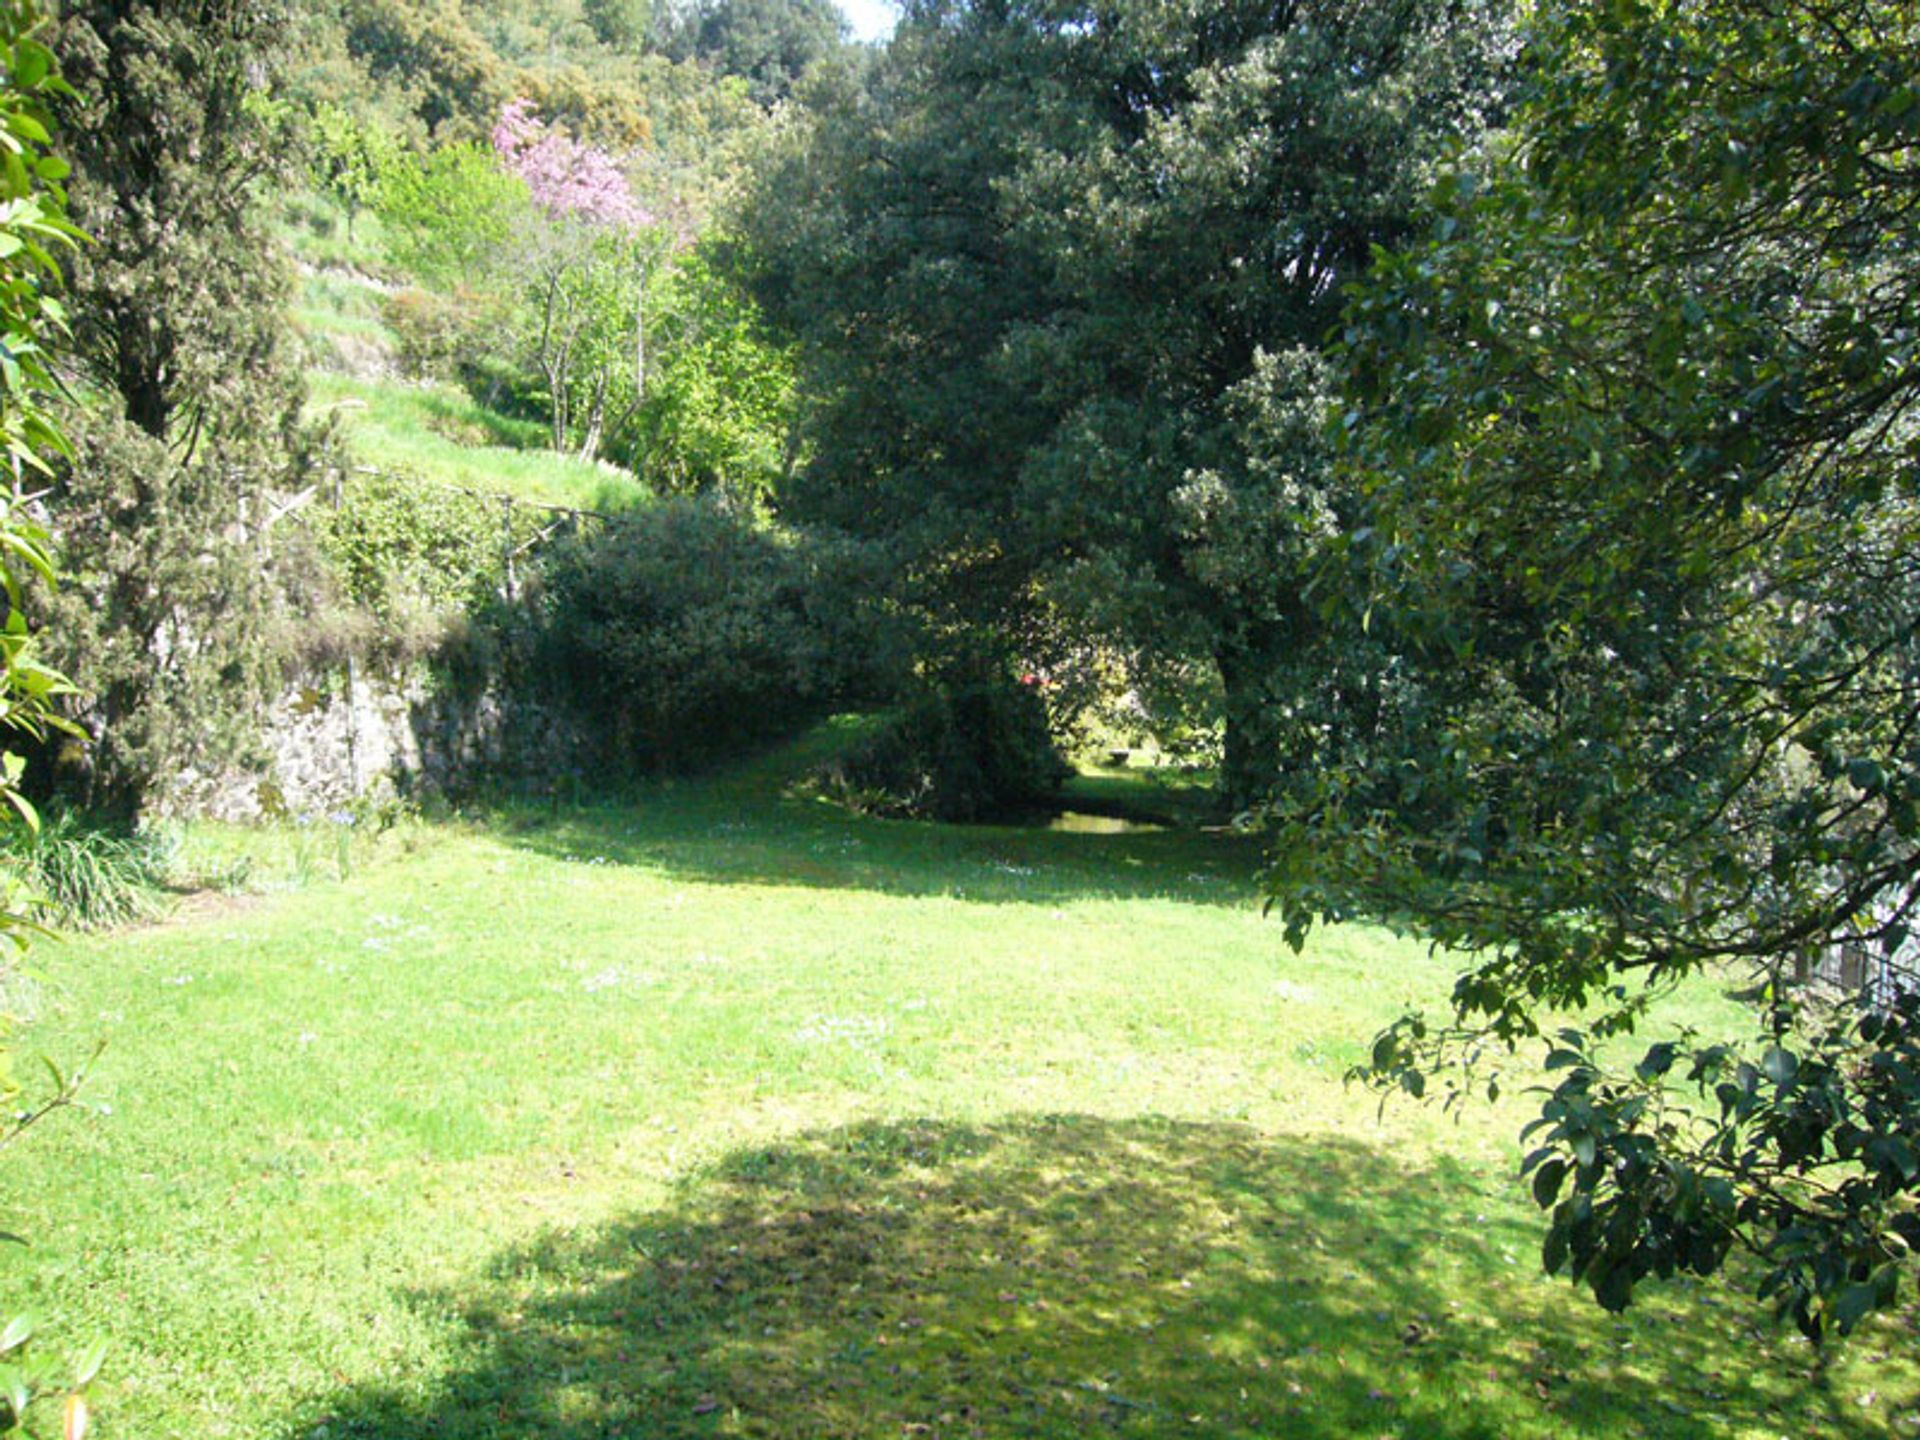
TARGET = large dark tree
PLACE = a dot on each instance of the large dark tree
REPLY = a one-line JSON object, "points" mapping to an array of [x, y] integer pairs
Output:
{"points": [[179, 317], [1641, 426], [1064, 271]]}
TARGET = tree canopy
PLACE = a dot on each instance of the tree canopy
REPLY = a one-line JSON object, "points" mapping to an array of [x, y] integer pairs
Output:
{"points": [[771, 44], [1062, 274]]}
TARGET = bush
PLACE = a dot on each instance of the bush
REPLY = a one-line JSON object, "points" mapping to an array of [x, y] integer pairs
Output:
{"points": [[688, 630], [88, 877], [439, 337], [969, 747], [399, 545]]}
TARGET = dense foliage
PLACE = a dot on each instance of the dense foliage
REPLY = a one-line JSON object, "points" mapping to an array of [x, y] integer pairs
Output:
{"points": [[969, 744], [171, 611], [33, 228], [688, 630], [1640, 427], [1062, 274], [409, 552], [771, 44], [445, 69]]}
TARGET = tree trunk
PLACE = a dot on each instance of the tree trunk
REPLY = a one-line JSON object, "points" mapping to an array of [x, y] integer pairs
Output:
{"points": [[557, 403], [596, 419]]}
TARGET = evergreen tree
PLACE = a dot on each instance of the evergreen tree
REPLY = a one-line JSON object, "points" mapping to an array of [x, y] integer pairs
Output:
{"points": [[1063, 273], [179, 315]]}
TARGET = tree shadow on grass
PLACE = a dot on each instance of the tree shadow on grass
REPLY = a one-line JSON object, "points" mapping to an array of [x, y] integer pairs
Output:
{"points": [[728, 834], [1069, 1276]]}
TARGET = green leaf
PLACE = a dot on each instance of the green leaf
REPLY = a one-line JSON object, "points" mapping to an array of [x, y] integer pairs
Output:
{"points": [[1553, 1250], [32, 63], [1658, 1061], [1613, 1288], [1852, 1305], [1780, 1066], [18, 1331], [1867, 775], [1546, 1182], [15, 1390], [90, 1362]]}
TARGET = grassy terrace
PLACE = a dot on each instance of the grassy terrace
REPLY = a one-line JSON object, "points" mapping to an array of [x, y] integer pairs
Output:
{"points": [[437, 431], [441, 434], [720, 1112]]}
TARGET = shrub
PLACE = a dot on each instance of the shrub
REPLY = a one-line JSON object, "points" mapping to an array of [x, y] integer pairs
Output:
{"points": [[970, 746], [439, 337], [688, 630], [399, 545]]}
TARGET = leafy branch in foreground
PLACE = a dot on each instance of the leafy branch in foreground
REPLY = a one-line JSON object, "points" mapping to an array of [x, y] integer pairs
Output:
{"points": [[1804, 1153], [32, 224], [1639, 429]]}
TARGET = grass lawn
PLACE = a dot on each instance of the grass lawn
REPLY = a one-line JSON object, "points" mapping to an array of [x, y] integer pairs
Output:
{"points": [[442, 434], [719, 1113]]}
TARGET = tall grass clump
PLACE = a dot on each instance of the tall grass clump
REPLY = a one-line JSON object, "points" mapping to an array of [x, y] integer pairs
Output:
{"points": [[89, 877]]}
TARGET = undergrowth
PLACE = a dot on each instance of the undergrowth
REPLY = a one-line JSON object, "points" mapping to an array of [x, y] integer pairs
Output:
{"points": [[90, 877]]}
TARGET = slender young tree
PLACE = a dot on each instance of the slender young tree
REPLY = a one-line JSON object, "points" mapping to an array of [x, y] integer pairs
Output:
{"points": [[584, 271]]}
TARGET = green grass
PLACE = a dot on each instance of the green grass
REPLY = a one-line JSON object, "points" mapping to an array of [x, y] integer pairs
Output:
{"points": [[341, 314], [720, 1113], [85, 876], [442, 434], [313, 228]]}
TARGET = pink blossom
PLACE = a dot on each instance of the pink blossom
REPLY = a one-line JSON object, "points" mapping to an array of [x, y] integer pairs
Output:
{"points": [[567, 176]]}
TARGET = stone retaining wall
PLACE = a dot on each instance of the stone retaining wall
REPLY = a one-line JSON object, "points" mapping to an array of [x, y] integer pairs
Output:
{"points": [[354, 733]]}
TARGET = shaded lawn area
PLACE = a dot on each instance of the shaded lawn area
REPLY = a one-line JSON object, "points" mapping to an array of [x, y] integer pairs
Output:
{"points": [[758, 826], [719, 1111], [1073, 1275]]}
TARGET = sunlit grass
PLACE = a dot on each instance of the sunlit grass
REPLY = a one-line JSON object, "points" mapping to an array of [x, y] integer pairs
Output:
{"points": [[444, 436], [719, 1112]]}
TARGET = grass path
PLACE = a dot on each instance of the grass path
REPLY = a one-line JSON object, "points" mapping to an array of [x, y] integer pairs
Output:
{"points": [[720, 1113]]}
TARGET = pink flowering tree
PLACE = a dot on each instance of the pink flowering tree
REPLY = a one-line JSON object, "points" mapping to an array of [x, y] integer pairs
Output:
{"points": [[568, 177], [586, 277]]}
